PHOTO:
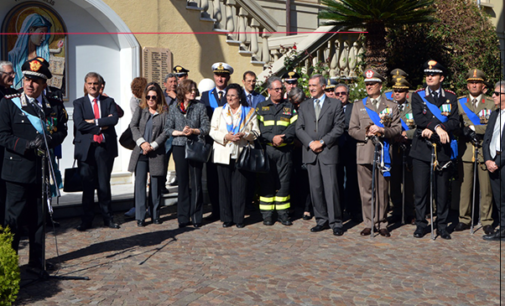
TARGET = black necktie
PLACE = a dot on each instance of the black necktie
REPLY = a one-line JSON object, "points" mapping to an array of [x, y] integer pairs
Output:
{"points": [[435, 95], [220, 95]]}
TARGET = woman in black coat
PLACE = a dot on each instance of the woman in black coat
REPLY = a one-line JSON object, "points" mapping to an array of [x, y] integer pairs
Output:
{"points": [[188, 120], [148, 125]]}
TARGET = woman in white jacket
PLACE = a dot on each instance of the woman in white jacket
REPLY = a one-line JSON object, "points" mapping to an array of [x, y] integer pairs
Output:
{"points": [[233, 126]]}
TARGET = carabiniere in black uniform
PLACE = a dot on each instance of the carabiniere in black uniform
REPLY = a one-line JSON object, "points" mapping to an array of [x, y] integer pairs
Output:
{"points": [[421, 152], [22, 163], [276, 119]]}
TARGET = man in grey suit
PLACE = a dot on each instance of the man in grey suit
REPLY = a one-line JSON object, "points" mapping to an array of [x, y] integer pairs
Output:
{"points": [[320, 124]]}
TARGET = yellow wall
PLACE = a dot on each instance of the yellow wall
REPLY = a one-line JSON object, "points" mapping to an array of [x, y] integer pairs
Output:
{"points": [[194, 52]]}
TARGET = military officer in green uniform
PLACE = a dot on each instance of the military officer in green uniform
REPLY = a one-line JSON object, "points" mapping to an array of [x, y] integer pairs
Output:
{"points": [[474, 110], [401, 163]]}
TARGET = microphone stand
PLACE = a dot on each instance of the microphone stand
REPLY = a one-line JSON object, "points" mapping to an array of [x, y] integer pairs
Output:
{"points": [[46, 159]]}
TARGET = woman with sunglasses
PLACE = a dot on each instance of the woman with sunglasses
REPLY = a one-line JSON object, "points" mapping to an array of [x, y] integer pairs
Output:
{"points": [[187, 120], [148, 125]]}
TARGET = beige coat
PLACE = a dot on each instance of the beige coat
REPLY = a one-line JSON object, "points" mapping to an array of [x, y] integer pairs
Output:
{"points": [[360, 120], [221, 152]]}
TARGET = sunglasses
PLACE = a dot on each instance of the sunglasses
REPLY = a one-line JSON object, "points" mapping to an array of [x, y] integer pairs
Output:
{"points": [[151, 97], [340, 93], [399, 90], [497, 93], [328, 90]]}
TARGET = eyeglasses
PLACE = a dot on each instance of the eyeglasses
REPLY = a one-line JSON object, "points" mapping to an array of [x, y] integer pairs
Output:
{"points": [[151, 98], [497, 93], [340, 93], [277, 89], [12, 73]]}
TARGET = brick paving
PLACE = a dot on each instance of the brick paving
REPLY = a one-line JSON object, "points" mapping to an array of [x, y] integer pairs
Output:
{"points": [[259, 265]]}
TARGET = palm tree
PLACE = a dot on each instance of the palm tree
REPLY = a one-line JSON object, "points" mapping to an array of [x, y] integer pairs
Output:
{"points": [[375, 16]]}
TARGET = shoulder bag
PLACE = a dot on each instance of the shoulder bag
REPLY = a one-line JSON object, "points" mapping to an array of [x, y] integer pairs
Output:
{"points": [[253, 159]]}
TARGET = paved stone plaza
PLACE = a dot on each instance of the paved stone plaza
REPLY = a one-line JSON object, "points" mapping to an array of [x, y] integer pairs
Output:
{"points": [[259, 265]]}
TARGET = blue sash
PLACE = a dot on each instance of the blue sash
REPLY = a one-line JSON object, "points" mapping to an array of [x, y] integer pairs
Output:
{"points": [[405, 127], [471, 115], [438, 113], [433, 108], [377, 121], [34, 120], [389, 95], [212, 100]]}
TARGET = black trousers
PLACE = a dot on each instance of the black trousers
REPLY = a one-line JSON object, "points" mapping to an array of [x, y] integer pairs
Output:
{"points": [[232, 192], [498, 186], [300, 182], [213, 187], [347, 178], [154, 202], [24, 207], [274, 194], [421, 170], [95, 171], [189, 207]]}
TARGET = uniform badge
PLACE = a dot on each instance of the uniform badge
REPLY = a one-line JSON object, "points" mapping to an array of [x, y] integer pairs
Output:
{"points": [[286, 111], [265, 108], [48, 105], [424, 111], [446, 109], [23, 101]]}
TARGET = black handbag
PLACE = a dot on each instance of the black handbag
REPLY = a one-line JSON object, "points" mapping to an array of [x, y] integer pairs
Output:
{"points": [[253, 159], [198, 151], [73, 181], [126, 139]]}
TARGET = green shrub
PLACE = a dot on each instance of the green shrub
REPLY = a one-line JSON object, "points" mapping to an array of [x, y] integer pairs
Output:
{"points": [[9, 269]]}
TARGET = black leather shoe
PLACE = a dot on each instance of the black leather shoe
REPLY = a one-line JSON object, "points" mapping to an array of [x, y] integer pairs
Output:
{"points": [[496, 236], [461, 227], [83, 226], [419, 232], [240, 225], [181, 225], [338, 231], [157, 221], [444, 234], [268, 222], [306, 217], [286, 222], [141, 223], [227, 224], [197, 225], [318, 228], [111, 224], [488, 229]]}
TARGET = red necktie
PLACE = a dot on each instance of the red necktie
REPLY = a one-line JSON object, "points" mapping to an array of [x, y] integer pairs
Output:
{"points": [[97, 138]]}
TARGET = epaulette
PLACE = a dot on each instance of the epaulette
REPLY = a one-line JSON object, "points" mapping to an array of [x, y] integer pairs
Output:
{"points": [[420, 89], [450, 91], [14, 95], [459, 98]]}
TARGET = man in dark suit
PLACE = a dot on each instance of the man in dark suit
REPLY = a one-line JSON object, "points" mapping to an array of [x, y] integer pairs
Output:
{"points": [[253, 98], [494, 155], [95, 149], [6, 80], [346, 166], [21, 130], [320, 124], [435, 112], [212, 99]]}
